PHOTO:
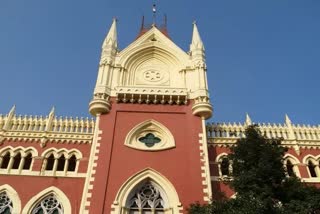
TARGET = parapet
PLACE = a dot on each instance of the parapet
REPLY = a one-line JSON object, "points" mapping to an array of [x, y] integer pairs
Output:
{"points": [[293, 135], [45, 129]]}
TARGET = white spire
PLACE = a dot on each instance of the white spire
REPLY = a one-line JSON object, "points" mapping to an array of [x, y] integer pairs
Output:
{"points": [[12, 110], [248, 119], [196, 39], [50, 119], [52, 111], [287, 120], [11, 114], [111, 38]]}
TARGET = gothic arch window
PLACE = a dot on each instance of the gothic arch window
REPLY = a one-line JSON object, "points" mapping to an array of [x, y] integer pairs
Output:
{"points": [[224, 165], [49, 201], [291, 165], [147, 198], [147, 192], [48, 205], [27, 161], [5, 160], [50, 162], [6, 205], [9, 200], [290, 170], [16, 161], [72, 163], [312, 164], [150, 135], [61, 162], [312, 169]]}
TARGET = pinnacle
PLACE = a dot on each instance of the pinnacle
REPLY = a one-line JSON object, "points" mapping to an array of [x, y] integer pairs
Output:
{"points": [[112, 34], [196, 39]]}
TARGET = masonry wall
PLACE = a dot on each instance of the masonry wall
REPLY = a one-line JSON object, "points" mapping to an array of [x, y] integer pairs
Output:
{"points": [[29, 183], [116, 162]]}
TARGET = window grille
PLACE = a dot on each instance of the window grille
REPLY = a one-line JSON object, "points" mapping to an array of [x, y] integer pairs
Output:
{"points": [[6, 205], [48, 205], [146, 199]]}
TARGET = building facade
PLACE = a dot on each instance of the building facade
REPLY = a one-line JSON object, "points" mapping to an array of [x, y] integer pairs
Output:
{"points": [[148, 148]]}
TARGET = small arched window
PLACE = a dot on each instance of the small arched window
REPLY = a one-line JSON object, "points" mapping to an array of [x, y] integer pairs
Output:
{"points": [[225, 167], [16, 161], [6, 205], [61, 163], [50, 162], [72, 163], [48, 205], [290, 169], [27, 161], [5, 161], [312, 169]]}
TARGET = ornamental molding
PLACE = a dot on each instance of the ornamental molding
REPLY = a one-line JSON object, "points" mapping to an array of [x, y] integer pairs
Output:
{"points": [[45, 129], [153, 95], [133, 138], [44, 138], [293, 136]]}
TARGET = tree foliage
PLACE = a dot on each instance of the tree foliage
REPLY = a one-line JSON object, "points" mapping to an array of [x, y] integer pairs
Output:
{"points": [[260, 181]]}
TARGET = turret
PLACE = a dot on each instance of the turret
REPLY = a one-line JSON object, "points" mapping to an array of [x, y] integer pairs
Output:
{"points": [[100, 103], [202, 106]]}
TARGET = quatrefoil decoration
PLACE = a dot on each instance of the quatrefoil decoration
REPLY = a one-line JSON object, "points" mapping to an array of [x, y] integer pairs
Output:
{"points": [[149, 140]]}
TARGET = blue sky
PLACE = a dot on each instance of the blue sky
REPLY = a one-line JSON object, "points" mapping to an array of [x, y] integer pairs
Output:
{"points": [[263, 57]]}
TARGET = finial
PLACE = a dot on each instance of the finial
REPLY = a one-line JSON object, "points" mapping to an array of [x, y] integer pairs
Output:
{"points": [[248, 120]]}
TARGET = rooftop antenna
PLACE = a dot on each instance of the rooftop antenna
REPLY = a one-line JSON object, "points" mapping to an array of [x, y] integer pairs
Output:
{"points": [[154, 10]]}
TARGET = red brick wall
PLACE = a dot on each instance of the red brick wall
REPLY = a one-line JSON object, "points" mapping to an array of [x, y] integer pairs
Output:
{"points": [[117, 162]]}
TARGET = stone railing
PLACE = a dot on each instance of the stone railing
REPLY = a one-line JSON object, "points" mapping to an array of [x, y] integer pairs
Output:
{"points": [[226, 134], [48, 128]]}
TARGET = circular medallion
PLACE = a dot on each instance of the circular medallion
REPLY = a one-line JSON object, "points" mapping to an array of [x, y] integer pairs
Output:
{"points": [[152, 75]]}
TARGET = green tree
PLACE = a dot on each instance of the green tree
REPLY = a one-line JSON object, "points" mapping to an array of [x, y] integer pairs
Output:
{"points": [[260, 181]]}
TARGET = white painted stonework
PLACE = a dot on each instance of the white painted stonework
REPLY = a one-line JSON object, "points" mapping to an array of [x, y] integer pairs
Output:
{"points": [[154, 61]]}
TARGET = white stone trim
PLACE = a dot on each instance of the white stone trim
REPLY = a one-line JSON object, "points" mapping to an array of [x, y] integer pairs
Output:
{"points": [[204, 157], [47, 174], [14, 197], [57, 153], [295, 162], [125, 190], [60, 195], [94, 156], [154, 127]]}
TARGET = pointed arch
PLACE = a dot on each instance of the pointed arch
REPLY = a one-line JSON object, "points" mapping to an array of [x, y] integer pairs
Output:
{"points": [[14, 197], [291, 164], [134, 181], [148, 128], [60, 196]]}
